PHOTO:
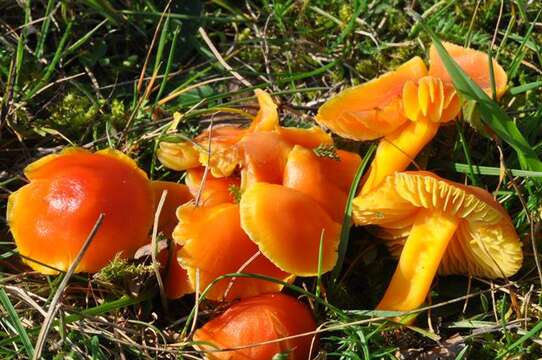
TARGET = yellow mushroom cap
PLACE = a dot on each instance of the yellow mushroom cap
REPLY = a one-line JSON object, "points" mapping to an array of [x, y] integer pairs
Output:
{"points": [[373, 109], [287, 225], [485, 242]]}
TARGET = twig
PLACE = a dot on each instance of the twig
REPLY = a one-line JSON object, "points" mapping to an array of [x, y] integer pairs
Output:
{"points": [[221, 60], [154, 251], [54, 307]]}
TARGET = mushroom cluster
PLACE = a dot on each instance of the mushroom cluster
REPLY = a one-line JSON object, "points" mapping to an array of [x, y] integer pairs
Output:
{"points": [[245, 189], [430, 223], [278, 173]]}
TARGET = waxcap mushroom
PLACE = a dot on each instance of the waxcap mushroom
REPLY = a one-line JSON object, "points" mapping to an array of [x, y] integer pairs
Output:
{"points": [[405, 108], [451, 227], [213, 244], [270, 215], [325, 180], [255, 320], [373, 109], [51, 217]]}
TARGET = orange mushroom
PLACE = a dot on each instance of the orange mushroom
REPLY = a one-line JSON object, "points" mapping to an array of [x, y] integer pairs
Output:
{"points": [[404, 107], [265, 318], [51, 216], [270, 216], [435, 224], [232, 147], [325, 180], [213, 244]]}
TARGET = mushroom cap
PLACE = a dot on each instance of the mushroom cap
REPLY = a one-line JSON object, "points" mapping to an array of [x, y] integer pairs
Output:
{"points": [[485, 243], [474, 63], [176, 281], [51, 217], [178, 156], [373, 109], [255, 320], [267, 117], [224, 157], [325, 180], [270, 215], [310, 138], [177, 195], [215, 190], [213, 242], [264, 158]]}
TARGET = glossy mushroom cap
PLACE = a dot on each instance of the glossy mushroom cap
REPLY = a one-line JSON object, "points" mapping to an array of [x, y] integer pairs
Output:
{"points": [[51, 217], [213, 244], [325, 180], [373, 109], [256, 320], [270, 215], [437, 224], [485, 243]]}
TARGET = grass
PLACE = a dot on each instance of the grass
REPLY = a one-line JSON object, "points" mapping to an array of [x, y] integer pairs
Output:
{"points": [[85, 73]]}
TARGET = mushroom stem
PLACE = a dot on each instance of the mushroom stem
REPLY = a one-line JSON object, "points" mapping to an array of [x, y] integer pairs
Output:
{"points": [[419, 261], [397, 150]]}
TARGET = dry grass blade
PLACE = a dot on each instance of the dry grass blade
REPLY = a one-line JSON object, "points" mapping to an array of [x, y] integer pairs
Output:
{"points": [[54, 306], [221, 59], [154, 251]]}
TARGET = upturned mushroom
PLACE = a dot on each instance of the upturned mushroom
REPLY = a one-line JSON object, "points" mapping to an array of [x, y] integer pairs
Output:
{"points": [[271, 318], [51, 217], [437, 225], [405, 108]]}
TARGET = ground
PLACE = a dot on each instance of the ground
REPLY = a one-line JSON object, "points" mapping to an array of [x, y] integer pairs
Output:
{"points": [[104, 73]]}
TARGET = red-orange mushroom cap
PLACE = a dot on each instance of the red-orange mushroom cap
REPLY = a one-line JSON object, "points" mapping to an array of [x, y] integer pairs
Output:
{"points": [[259, 319], [51, 217], [283, 222], [213, 244]]}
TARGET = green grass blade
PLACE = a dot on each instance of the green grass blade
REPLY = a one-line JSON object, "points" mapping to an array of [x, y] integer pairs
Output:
{"points": [[493, 171], [531, 333], [16, 322], [52, 65], [347, 220], [526, 87], [44, 28]]}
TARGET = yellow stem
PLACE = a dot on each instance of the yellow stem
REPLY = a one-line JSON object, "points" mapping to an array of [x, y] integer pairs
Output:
{"points": [[397, 150], [419, 261]]}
